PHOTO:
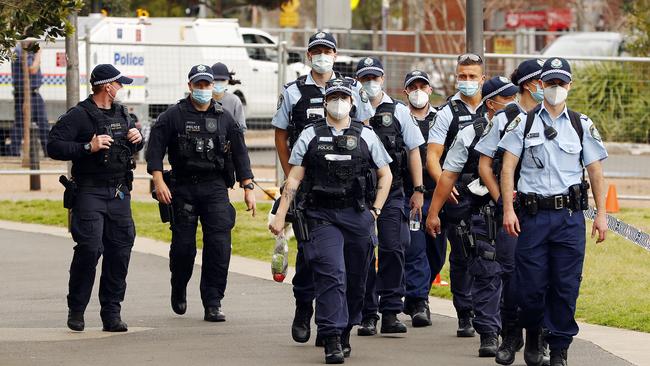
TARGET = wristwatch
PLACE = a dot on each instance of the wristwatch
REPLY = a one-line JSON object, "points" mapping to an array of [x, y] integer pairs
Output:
{"points": [[420, 188], [248, 186], [376, 210], [87, 147]]}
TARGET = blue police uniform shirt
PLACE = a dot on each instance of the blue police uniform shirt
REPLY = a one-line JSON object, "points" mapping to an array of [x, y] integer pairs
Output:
{"points": [[489, 142], [408, 126], [438, 133], [559, 157], [35, 80], [377, 151], [459, 151], [291, 95]]}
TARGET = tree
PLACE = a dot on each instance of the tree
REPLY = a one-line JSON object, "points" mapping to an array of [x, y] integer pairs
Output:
{"points": [[638, 26], [20, 20]]}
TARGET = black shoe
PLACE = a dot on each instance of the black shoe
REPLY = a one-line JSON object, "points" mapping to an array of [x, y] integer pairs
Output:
{"points": [[333, 350], [214, 314], [368, 327], [114, 325], [76, 320], [546, 356], [489, 345], [534, 349], [345, 342], [179, 303], [512, 342], [320, 341], [421, 315], [559, 357], [390, 324], [465, 328], [301, 326]]}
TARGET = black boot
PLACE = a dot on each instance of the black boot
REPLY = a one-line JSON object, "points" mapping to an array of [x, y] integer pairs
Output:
{"points": [[214, 314], [114, 325], [512, 342], [546, 356], [465, 327], [179, 303], [421, 315], [533, 352], [333, 350], [320, 341], [559, 357], [390, 324], [76, 320], [368, 327], [301, 326], [489, 345], [345, 342]]}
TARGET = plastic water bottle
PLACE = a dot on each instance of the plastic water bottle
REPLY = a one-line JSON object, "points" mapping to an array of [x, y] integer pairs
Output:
{"points": [[414, 220], [279, 261]]}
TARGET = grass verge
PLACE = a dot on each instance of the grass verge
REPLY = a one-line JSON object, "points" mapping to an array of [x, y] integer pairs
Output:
{"points": [[615, 290]]}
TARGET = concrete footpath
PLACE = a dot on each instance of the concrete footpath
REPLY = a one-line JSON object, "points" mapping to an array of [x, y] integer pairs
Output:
{"points": [[34, 262]]}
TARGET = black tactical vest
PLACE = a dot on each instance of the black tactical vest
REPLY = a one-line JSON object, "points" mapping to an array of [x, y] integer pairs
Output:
{"points": [[389, 131], [337, 168], [462, 117], [203, 147], [425, 125], [118, 159]]}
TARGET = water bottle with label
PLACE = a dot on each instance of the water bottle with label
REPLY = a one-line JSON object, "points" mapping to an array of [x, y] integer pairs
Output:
{"points": [[414, 220], [279, 261]]}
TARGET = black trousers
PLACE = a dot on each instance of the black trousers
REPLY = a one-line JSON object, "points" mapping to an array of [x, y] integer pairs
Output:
{"points": [[209, 203], [101, 225]]}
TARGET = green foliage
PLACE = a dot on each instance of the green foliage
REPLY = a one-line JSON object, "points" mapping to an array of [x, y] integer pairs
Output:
{"points": [[638, 27], [31, 19], [616, 96]]}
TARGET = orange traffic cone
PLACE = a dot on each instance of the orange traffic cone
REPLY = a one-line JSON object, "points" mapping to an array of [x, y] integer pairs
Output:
{"points": [[611, 204], [438, 282]]}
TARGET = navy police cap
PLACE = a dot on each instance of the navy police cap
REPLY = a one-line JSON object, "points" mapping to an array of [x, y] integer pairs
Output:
{"points": [[220, 72], [322, 39], [498, 85], [527, 70], [107, 73], [338, 86], [556, 68], [200, 72], [369, 66], [416, 75]]}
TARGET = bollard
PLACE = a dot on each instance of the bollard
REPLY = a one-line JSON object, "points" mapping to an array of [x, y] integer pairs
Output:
{"points": [[34, 159]]}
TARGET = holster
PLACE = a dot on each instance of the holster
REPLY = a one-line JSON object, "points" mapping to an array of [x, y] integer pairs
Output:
{"points": [[489, 213], [579, 196], [467, 239], [300, 225], [70, 193]]}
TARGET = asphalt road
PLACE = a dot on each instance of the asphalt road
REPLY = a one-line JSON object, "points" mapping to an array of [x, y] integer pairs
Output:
{"points": [[34, 273]]}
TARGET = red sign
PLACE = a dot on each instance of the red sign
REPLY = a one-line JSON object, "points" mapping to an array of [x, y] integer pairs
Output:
{"points": [[138, 35], [551, 19], [60, 59]]}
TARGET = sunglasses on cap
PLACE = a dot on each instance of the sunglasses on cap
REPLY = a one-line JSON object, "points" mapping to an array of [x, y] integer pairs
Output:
{"points": [[472, 56]]}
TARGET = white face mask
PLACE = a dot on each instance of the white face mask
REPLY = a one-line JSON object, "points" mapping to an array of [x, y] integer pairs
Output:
{"points": [[338, 109], [555, 94], [418, 98], [322, 63], [119, 95], [372, 87]]}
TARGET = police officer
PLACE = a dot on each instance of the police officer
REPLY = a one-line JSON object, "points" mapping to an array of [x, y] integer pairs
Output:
{"points": [[39, 114], [206, 151], [554, 145], [300, 104], [461, 109], [334, 158], [525, 76], [402, 138], [220, 93], [483, 265], [425, 255], [100, 138]]}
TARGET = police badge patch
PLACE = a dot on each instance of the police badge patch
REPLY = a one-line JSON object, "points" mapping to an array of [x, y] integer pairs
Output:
{"points": [[593, 131], [386, 120], [556, 64], [368, 61], [363, 95], [351, 143], [487, 129], [280, 100], [211, 125], [320, 35], [513, 124]]}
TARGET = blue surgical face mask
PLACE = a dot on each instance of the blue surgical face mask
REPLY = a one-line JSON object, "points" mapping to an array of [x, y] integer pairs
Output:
{"points": [[467, 88], [220, 86], [538, 94], [202, 96]]}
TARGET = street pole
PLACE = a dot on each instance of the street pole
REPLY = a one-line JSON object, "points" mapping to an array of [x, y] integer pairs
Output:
{"points": [[385, 4], [474, 26], [27, 103], [320, 4], [282, 50], [72, 74]]}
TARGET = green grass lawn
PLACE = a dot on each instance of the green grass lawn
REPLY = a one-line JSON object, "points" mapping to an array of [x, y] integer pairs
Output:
{"points": [[615, 289]]}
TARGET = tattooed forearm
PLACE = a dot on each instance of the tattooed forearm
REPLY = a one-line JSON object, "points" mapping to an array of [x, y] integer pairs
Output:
{"points": [[289, 193]]}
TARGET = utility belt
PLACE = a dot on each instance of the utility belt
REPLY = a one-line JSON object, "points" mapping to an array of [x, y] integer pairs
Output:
{"points": [[334, 203], [469, 240], [183, 179], [576, 200], [93, 181]]}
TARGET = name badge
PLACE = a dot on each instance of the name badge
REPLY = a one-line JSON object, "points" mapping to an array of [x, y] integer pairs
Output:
{"points": [[532, 135], [315, 112], [464, 118], [315, 100], [325, 138], [336, 157]]}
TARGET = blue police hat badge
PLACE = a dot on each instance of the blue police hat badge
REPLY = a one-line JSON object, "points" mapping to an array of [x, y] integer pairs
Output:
{"points": [[556, 64], [320, 35], [211, 125], [368, 61], [504, 79], [416, 73], [201, 68]]}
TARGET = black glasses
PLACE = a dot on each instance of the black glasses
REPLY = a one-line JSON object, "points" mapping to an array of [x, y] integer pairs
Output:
{"points": [[471, 56], [536, 160]]}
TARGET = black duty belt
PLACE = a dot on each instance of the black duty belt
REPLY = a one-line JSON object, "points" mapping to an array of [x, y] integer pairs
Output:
{"points": [[323, 202], [100, 181], [558, 202], [196, 178]]}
